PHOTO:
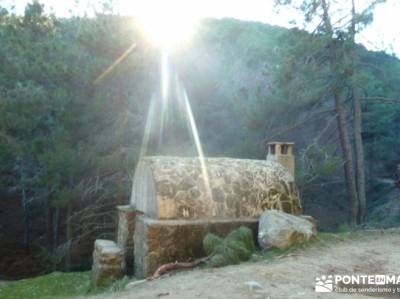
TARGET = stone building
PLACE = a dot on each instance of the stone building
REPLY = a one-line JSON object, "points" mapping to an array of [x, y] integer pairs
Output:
{"points": [[176, 201]]}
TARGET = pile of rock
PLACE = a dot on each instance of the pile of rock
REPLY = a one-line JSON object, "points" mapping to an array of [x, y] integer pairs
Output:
{"points": [[107, 262]]}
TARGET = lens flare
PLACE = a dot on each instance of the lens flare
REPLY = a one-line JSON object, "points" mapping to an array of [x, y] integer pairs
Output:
{"points": [[164, 76], [168, 27], [159, 108], [196, 138], [148, 128], [165, 73]]}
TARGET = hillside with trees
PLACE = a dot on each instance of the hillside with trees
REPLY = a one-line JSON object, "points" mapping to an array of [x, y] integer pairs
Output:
{"points": [[70, 136]]}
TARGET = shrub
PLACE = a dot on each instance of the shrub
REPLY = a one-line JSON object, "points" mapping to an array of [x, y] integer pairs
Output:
{"points": [[236, 247]]}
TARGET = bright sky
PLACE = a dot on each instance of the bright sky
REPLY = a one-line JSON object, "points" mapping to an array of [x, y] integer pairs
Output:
{"points": [[382, 34]]}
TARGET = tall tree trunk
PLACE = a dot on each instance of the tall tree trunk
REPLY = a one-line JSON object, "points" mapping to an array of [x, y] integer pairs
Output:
{"points": [[56, 219], [326, 18], [25, 211], [69, 237], [347, 156], [345, 143], [359, 152], [359, 149], [25, 219], [49, 223]]}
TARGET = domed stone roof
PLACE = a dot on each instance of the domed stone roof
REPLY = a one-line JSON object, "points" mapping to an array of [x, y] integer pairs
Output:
{"points": [[175, 188]]}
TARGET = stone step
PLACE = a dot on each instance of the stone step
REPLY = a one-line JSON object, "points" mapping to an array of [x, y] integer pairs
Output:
{"points": [[107, 262]]}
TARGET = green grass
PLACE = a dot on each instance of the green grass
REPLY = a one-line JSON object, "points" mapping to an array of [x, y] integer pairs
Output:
{"points": [[54, 285], [57, 285]]}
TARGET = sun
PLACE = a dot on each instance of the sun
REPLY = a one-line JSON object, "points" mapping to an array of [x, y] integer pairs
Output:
{"points": [[169, 28]]}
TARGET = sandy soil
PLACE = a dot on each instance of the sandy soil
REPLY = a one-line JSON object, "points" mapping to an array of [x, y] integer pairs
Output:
{"points": [[286, 277]]}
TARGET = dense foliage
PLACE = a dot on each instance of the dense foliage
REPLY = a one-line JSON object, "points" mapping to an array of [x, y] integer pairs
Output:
{"points": [[69, 143]]}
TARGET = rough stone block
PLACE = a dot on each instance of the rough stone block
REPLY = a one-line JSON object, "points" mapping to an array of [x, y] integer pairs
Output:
{"points": [[159, 242], [126, 228], [282, 230], [107, 262]]}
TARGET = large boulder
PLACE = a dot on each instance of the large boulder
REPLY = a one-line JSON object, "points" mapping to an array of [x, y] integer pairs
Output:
{"points": [[277, 229], [107, 262]]}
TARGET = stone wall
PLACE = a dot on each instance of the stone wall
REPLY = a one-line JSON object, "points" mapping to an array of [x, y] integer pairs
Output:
{"points": [[158, 242], [126, 229], [175, 188]]}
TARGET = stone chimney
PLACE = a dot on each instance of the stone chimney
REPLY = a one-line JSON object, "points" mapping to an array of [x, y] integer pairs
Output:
{"points": [[281, 152]]}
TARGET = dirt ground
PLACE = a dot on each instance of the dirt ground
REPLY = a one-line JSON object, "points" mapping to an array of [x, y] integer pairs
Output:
{"points": [[291, 276]]}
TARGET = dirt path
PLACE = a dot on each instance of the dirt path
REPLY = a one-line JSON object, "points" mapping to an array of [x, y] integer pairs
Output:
{"points": [[282, 278]]}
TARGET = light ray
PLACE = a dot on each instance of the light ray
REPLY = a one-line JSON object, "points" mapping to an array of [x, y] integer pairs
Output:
{"points": [[195, 134], [148, 128], [164, 76], [114, 64], [184, 107], [165, 82]]}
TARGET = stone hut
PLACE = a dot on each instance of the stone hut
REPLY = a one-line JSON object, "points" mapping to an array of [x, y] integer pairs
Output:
{"points": [[176, 201]]}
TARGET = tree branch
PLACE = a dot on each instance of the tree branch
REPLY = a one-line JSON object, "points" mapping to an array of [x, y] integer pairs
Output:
{"points": [[383, 99], [177, 265], [300, 123]]}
